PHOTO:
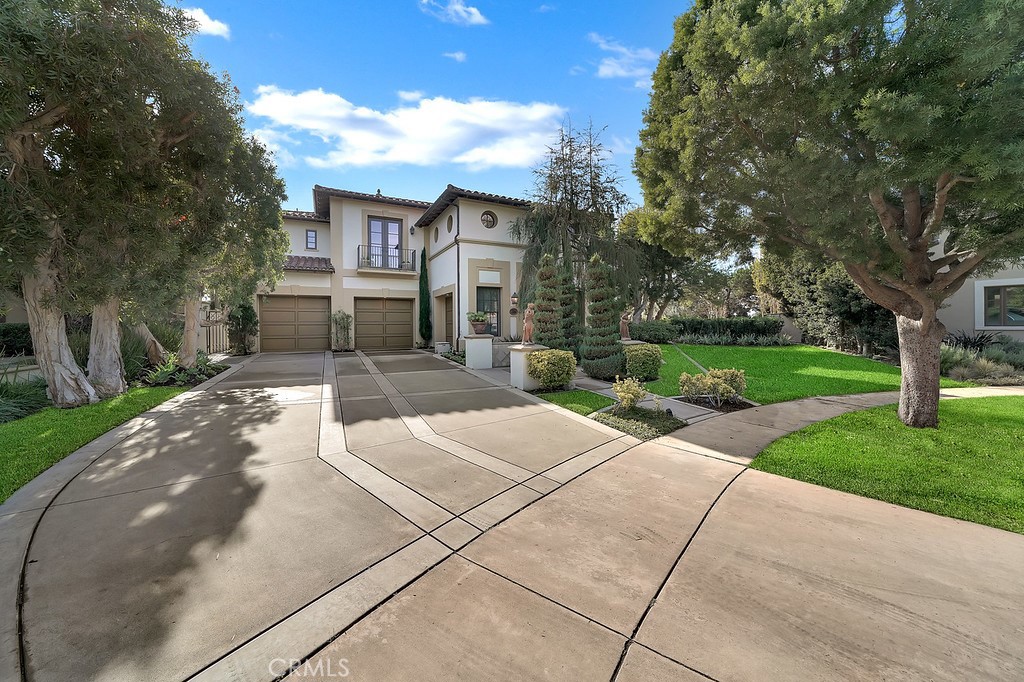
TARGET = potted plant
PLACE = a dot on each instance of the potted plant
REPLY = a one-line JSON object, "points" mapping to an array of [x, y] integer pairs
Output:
{"points": [[478, 320]]}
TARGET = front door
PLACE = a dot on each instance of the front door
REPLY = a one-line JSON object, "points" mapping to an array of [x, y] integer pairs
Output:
{"points": [[449, 319]]}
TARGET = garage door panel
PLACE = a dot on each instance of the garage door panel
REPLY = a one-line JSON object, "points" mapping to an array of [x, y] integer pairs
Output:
{"points": [[383, 323], [294, 323]]}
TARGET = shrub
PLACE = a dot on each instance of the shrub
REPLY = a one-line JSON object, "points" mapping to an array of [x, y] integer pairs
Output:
{"points": [[643, 362], [171, 373], [640, 422], [727, 326], [552, 368], [659, 331], [629, 391], [15, 339], [168, 333], [341, 330], [1016, 359], [951, 357], [995, 354], [243, 324], [976, 342], [21, 398], [736, 379], [455, 357], [705, 387]]}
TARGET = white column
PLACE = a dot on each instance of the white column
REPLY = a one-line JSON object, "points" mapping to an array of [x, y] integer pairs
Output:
{"points": [[519, 356], [478, 351]]}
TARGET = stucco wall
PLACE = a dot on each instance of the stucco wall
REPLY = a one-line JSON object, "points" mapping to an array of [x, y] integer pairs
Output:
{"points": [[964, 309], [296, 230]]}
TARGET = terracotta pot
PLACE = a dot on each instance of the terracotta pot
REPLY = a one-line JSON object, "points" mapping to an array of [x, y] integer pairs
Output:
{"points": [[479, 327]]}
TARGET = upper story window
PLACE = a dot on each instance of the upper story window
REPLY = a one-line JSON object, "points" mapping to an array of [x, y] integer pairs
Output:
{"points": [[311, 240], [1004, 306]]}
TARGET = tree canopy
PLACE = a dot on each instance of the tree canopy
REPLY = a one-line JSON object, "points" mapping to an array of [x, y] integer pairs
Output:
{"points": [[867, 131]]}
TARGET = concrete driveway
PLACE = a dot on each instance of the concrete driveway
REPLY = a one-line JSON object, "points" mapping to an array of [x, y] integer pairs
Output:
{"points": [[391, 516]]}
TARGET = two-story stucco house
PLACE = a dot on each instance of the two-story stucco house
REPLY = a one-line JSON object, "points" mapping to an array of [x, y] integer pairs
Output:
{"points": [[360, 253]]}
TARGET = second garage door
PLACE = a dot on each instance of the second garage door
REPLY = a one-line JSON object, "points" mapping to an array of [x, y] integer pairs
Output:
{"points": [[294, 323], [383, 323]]}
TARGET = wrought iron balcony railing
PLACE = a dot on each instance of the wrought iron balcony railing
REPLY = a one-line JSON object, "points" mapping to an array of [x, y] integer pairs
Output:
{"points": [[387, 258]]}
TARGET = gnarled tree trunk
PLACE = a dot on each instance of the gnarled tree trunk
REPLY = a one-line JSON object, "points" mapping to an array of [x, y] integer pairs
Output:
{"points": [[155, 352], [190, 339], [106, 366], [66, 383], [919, 360]]}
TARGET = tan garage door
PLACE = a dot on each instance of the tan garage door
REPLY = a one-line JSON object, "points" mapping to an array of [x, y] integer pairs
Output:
{"points": [[295, 323], [383, 323]]}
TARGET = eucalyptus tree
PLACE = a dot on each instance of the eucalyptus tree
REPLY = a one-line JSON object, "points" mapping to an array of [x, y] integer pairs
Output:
{"points": [[77, 81], [881, 134]]}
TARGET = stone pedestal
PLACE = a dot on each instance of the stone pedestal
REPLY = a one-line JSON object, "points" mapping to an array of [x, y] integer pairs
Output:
{"points": [[519, 363], [478, 351]]}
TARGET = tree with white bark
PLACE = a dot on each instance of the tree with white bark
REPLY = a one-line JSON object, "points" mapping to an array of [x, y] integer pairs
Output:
{"points": [[882, 135], [123, 171]]}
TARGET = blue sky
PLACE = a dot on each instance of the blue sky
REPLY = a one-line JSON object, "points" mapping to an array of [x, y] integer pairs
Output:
{"points": [[406, 96]]}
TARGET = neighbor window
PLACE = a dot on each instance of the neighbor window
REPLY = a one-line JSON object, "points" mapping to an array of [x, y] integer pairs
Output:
{"points": [[311, 240], [488, 300], [1004, 306]]}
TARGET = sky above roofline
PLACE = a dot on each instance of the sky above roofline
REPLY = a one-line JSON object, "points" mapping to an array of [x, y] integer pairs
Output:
{"points": [[406, 96]]}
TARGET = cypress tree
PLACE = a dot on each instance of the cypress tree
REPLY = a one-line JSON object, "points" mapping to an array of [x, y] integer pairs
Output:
{"points": [[601, 352], [548, 329], [426, 328]]}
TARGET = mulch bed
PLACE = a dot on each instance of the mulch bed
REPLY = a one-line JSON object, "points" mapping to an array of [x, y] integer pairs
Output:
{"points": [[724, 408]]}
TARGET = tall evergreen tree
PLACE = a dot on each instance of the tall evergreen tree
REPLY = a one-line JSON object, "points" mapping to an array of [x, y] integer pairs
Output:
{"points": [[426, 328], [601, 353], [866, 132]]}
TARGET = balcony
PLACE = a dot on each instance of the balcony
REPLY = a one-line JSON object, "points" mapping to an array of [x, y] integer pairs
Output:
{"points": [[376, 258]]}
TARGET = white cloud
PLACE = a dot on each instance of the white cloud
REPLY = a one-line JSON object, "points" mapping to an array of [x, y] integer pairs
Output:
{"points": [[476, 133], [208, 26], [624, 62], [577, 70], [546, 8], [410, 95], [275, 141], [454, 12], [459, 56]]}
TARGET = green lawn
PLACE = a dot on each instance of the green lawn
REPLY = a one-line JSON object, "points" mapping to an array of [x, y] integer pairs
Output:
{"points": [[581, 402], [30, 445], [971, 467], [676, 363], [782, 373]]}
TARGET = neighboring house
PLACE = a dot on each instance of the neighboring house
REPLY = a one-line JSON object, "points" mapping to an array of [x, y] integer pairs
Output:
{"points": [[990, 303], [360, 253]]}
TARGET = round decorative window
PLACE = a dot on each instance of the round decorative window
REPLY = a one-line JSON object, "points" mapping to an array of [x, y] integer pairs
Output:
{"points": [[451, 222], [437, 234], [488, 219]]}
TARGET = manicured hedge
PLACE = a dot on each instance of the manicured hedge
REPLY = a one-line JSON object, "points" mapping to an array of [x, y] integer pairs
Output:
{"points": [[729, 326], [659, 331], [643, 362], [552, 368], [15, 339]]}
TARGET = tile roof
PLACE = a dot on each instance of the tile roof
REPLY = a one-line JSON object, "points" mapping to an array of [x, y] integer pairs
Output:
{"points": [[451, 193], [308, 263], [321, 196], [303, 215]]}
